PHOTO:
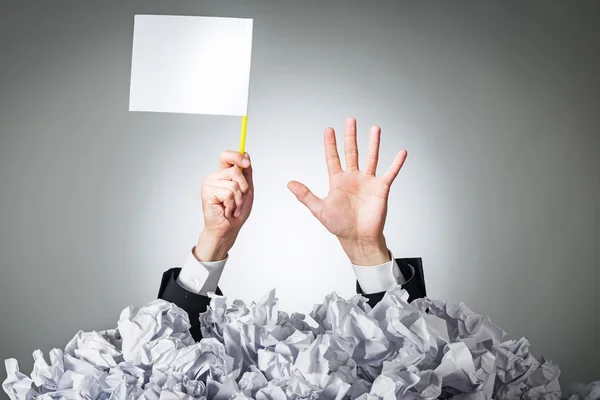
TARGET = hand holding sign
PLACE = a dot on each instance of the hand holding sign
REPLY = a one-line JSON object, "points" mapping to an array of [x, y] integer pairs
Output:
{"points": [[200, 65]]}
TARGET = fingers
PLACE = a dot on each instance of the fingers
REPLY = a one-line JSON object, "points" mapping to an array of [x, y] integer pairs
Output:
{"points": [[219, 196], [226, 197], [229, 186], [394, 169], [230, 163], [332, 158], [247, 172], [306, 197], [373, 151], [227, 193], [350, 145], [230, 158], [233, 174]]}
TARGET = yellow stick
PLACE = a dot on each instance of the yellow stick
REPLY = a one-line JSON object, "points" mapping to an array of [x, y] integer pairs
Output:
{"points": [[243, 134]]}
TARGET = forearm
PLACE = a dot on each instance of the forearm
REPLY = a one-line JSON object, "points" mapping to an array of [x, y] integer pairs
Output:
{"points": [[374, 265], [188, 286], [367, 252], [204, 265], [212, 247]]}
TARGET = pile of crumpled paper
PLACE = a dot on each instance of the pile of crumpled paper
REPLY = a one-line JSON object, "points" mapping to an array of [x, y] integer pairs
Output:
{"points": [[343, 349]]}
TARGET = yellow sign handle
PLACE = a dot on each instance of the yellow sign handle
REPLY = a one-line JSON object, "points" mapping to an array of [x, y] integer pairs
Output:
{"points": [[243, 134]]}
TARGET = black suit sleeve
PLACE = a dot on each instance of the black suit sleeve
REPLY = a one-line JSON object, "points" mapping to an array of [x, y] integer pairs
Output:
{"points": [[194, 304], [190, 302], [412, 270]]}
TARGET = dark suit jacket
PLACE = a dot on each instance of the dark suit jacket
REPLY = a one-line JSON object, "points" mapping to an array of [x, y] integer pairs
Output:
{"points": [[194, 304]]}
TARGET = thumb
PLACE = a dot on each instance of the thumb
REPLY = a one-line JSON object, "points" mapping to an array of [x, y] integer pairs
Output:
{"points": [[306, 197]]}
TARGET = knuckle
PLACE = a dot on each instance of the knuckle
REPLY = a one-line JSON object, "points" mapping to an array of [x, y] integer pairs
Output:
{"points": [[242, 183], [236, 173], [233, 185], [215, 176]]}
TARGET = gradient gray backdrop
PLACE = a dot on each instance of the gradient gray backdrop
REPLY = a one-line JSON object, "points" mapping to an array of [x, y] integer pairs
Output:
{"points": [[498, 104]]}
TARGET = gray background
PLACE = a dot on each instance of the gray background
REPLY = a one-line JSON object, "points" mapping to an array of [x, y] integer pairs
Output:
{"points": [[496, 102]]}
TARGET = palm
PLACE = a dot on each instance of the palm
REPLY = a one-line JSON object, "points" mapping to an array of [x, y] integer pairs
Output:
{"points": [[355, 208]]}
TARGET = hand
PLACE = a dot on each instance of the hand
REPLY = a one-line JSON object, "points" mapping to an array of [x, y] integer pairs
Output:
{"points": [[355, 208], [227, 198]]}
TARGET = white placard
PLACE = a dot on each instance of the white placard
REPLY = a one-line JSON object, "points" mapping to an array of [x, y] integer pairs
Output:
{"points": [[191, 65]]}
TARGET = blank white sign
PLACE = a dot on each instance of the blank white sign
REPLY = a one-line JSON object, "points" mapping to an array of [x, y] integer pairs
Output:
{"points": [[191, 65]]}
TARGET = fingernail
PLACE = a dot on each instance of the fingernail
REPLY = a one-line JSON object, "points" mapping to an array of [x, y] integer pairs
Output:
{"points": [[237, 213], [245, 163]]}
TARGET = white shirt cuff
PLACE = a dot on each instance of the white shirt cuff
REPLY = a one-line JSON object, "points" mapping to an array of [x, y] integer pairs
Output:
{"points": [[379, 278], [201, 277]]}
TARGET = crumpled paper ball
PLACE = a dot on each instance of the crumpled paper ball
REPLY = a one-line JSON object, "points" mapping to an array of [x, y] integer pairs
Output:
{"points": [[342, 349]]}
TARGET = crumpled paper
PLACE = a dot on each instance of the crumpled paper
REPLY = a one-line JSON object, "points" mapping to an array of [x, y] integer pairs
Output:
{"points": [[342, 349]]}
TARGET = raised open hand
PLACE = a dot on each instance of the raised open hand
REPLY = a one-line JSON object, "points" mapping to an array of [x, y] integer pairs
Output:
{"points": [[355, 208]]}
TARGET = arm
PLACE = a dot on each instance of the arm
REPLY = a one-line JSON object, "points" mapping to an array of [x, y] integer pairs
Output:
{"points": [[227, 198], [355, 211], [193, 303], [188, 287]]}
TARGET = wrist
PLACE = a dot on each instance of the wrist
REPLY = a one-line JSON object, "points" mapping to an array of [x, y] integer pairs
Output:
{"points": [[367, 252], [211, 247]]}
